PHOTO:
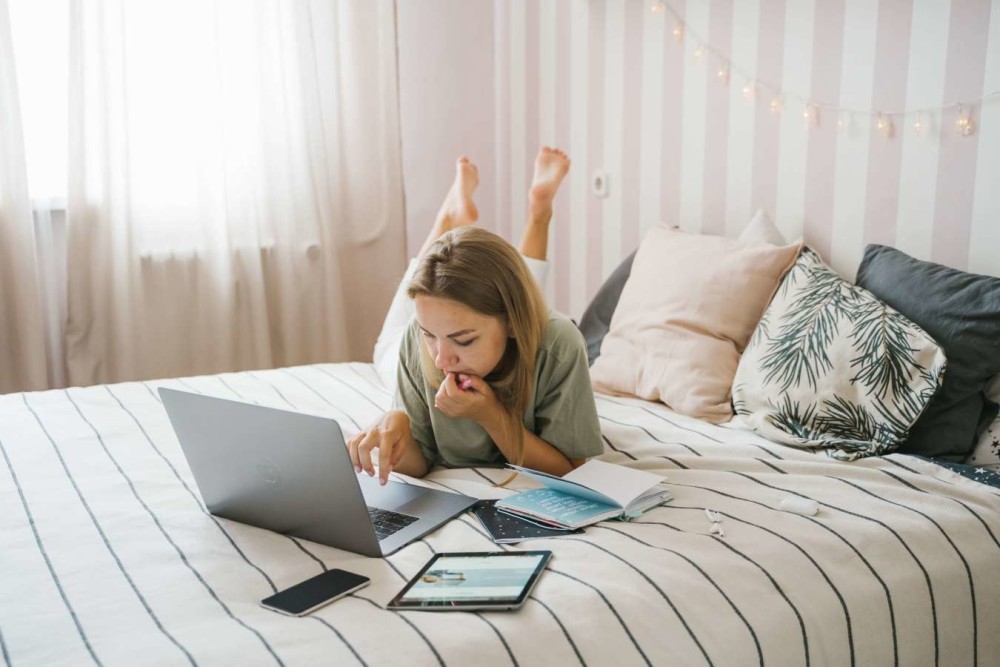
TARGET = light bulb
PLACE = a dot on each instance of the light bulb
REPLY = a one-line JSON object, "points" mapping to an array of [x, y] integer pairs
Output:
{"points": [[885, 125], [811, 114], [776, 105], [843, 122], [723, 74], [679, 32], [748, 91], [699, 53], [656, 6], [964, 124], [918, 126]]}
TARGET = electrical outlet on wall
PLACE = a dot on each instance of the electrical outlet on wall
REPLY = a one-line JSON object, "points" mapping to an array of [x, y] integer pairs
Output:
{"points": [[599, 183]]}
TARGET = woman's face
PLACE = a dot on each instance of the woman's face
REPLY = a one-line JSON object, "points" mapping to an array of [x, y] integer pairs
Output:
{"points": [[460, 339]]}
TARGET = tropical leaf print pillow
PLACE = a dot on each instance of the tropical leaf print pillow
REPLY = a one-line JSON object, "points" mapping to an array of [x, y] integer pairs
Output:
{"points": [[831, 367]]}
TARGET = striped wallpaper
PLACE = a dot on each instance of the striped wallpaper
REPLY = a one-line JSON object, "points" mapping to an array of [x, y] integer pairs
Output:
{"points": [[608, 81]]}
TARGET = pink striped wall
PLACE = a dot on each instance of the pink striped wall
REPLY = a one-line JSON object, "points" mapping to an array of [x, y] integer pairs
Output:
{"points": [[822, 153], [766, 133], [673, 85], [964, 72], [839, 188], [888, 92], [720, 31]]}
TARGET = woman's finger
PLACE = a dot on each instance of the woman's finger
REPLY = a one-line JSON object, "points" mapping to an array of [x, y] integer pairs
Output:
{"points": [[370, 442], [385, 450], [450, 388], [352, 449], [397, 453], [475, 383]]}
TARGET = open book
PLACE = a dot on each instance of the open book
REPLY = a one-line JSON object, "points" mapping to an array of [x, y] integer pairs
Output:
{"points": [[593, 492]]}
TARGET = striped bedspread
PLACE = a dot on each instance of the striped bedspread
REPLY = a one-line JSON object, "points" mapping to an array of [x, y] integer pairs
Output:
{"points": [[108, 555]]}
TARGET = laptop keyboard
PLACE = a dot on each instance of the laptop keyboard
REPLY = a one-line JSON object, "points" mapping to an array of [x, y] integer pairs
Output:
{"points": [[386, 523]]}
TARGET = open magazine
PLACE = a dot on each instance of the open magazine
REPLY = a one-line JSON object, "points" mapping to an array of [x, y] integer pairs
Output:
{"points": [[593, 492]]}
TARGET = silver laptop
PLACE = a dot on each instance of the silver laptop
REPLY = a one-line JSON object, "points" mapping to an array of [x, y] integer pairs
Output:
{"points": [[291, 473]]}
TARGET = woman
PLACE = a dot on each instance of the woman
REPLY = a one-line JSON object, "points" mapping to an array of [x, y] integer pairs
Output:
{"points": [[485, 373]]}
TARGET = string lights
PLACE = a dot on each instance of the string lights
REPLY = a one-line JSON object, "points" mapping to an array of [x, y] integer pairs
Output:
{"points": [[811, 115], [884, 125], [723, 74], [885, 120], [843, 121], [777, 105], [964, 123]]}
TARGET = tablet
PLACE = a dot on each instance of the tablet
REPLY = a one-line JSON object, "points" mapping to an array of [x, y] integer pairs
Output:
{"points": [[470, 581]]}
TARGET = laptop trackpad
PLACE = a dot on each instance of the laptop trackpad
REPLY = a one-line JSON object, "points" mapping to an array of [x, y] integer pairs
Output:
{"points": [[392, 496]]}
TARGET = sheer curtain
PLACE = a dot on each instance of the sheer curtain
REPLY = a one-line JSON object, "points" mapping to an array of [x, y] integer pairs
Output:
{"points": [[24, 361], [234, 174]]}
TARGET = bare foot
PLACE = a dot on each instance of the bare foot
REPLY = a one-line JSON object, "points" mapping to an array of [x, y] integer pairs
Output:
{"points": [[458, 207], [551, 166]]}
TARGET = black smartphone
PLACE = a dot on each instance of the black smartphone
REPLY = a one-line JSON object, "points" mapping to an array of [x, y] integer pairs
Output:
{"points": [[313, 593]]}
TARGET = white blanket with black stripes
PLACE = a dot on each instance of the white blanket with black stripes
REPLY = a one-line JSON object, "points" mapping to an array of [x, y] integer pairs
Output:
{"points": [[108, 556]]}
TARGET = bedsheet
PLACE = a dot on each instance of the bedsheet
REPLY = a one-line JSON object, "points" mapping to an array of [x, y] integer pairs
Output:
{"points": [[109, 557]]}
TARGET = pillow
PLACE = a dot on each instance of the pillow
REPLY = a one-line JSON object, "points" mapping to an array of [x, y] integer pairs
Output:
{"points": [[961, 311], [597, 317], [762, 230], [987, 451], [986, 454], [831, 367], [685, 314]]}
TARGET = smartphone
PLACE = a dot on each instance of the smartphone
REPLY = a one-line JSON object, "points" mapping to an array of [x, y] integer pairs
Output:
{"points": [[313, 593]]}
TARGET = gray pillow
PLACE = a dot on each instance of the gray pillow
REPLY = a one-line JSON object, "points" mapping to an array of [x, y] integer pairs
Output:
{"points": [[961, 311], [596, 319]]}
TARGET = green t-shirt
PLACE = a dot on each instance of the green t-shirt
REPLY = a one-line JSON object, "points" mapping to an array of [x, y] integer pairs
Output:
{"points": [[562, 411]]}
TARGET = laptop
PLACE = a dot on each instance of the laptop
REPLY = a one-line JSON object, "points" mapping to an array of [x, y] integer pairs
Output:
{"points": [[291, 473]]}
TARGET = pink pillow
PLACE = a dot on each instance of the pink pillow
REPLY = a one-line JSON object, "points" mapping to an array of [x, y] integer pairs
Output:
{"points": [[684, 318]]}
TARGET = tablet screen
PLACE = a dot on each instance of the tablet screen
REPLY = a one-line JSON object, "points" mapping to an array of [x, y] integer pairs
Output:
{"points": [[473, 580]]}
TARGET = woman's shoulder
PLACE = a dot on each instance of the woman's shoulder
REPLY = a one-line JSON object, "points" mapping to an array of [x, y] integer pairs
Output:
{"points": [[562, 338]]}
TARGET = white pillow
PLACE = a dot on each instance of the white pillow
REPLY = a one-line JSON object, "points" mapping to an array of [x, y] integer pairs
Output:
{"points": [[760, 229]]}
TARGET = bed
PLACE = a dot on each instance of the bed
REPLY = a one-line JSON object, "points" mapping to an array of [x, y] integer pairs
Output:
{"points": [[109, 556]]}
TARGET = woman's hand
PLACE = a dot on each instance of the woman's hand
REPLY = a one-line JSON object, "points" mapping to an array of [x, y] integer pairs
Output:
{"points": [[467, 397], [390, 434]]}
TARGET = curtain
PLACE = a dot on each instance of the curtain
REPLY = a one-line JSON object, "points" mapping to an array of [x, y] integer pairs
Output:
{"points": [[24, 362], [234, 177]]}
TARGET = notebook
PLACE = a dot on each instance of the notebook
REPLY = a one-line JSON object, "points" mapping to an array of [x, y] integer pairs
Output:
{"points": [[504, 528], [593, 492]]}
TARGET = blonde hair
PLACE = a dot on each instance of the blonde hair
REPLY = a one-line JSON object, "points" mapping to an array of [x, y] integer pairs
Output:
{"points": [[482, 271]]}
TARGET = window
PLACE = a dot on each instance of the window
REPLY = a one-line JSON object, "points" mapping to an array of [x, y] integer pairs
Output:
{"points": [[40, 34]]}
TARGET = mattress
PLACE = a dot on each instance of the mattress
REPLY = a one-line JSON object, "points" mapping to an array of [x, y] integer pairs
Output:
{"points": [[109, 557]]}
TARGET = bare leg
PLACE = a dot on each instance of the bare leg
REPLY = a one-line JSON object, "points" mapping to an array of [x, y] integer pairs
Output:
{"points": [[458, 208], [551, 167]]}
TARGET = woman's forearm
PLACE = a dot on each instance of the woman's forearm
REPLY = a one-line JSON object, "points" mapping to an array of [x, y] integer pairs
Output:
{"points": [[413, 462], [538, 454]]}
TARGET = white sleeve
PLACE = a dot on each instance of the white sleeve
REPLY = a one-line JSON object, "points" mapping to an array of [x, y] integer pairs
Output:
{"points": [[539, 268], [401, 311]]}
